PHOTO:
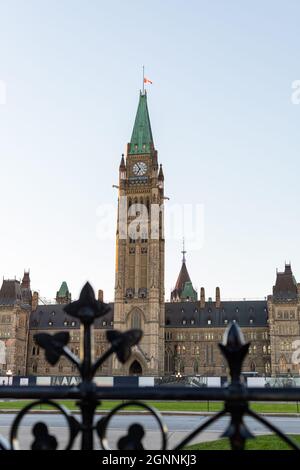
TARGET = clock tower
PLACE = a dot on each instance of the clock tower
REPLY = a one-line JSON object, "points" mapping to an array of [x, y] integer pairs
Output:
{"points": [[139, 284]]}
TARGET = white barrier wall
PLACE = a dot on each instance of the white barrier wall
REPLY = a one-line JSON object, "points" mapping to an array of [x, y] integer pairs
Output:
{"points": [[256, 382], [104, 381], [43, 380], [214, 381], [146, 381], [6, 380]]}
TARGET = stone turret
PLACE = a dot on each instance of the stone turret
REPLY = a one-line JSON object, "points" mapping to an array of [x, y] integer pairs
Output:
{"points": [[218, 297], [25, 288], [63, 296], [100, 295], [202, 298], [35, 301]]}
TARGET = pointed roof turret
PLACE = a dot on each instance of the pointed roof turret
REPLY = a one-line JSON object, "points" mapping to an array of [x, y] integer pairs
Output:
{"points": [[63, 295], [285, 288], [183, 277], [184, 288], [141, 138], [10, 292]]}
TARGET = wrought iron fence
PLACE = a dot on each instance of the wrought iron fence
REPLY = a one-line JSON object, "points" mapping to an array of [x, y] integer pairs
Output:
{"points": [[235, 396]]}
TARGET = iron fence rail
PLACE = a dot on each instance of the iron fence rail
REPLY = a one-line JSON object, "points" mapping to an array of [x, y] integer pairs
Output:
{"points": [[63, 392]]}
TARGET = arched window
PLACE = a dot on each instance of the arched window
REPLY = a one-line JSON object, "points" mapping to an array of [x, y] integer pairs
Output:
{"points": [[196, 367], [282, 364], [169, 362], [136, 320], [267, 368], [252, 366]]}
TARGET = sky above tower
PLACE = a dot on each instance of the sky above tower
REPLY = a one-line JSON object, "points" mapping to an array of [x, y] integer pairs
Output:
{"points": [[224, 118]]}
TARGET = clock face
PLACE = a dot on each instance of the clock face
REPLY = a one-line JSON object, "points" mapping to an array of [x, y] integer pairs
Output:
{"points": [[139, 168]]}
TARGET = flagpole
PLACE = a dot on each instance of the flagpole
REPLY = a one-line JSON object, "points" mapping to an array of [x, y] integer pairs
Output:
{"points": [[143, 80]]}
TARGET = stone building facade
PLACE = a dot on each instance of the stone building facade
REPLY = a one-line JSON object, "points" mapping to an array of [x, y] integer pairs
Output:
{"points": [[284, 323], [15, 309], [180, 336]]}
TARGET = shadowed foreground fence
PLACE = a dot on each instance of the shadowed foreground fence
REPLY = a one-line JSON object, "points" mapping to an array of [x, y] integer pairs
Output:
{"points": [[236, 396]]}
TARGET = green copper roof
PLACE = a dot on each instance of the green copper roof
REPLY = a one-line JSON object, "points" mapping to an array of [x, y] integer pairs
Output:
{"points": [[64, 290], [141, 139], [188, 292]]}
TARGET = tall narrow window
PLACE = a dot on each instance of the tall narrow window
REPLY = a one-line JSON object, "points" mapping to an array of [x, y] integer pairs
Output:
{"points": [[136, 320]]}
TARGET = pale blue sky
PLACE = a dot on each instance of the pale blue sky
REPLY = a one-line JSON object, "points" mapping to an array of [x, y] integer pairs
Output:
{"points": [[223, 123]]}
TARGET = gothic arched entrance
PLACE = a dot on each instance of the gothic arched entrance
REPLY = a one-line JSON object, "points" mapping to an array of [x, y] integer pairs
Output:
{"points": [[135, 368]]}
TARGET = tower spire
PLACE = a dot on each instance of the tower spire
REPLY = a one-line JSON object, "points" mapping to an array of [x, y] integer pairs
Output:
{"points": [[141, 141], [183, 251]]}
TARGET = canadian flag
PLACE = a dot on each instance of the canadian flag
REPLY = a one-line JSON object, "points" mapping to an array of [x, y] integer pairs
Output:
{"points": [[146, 80]]}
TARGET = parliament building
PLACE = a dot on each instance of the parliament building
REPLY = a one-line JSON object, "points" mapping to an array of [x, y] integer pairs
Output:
{"points": [[181, 336]]}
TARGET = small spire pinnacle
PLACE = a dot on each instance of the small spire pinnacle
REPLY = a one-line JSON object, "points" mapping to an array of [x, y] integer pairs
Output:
{"points": [[122, 163], [183, 251], [160, 173]]}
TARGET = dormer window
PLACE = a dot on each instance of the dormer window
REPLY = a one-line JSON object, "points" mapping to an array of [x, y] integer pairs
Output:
{"points": [[209, 321], [50, 323], [184, 322], [225, 321]]}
